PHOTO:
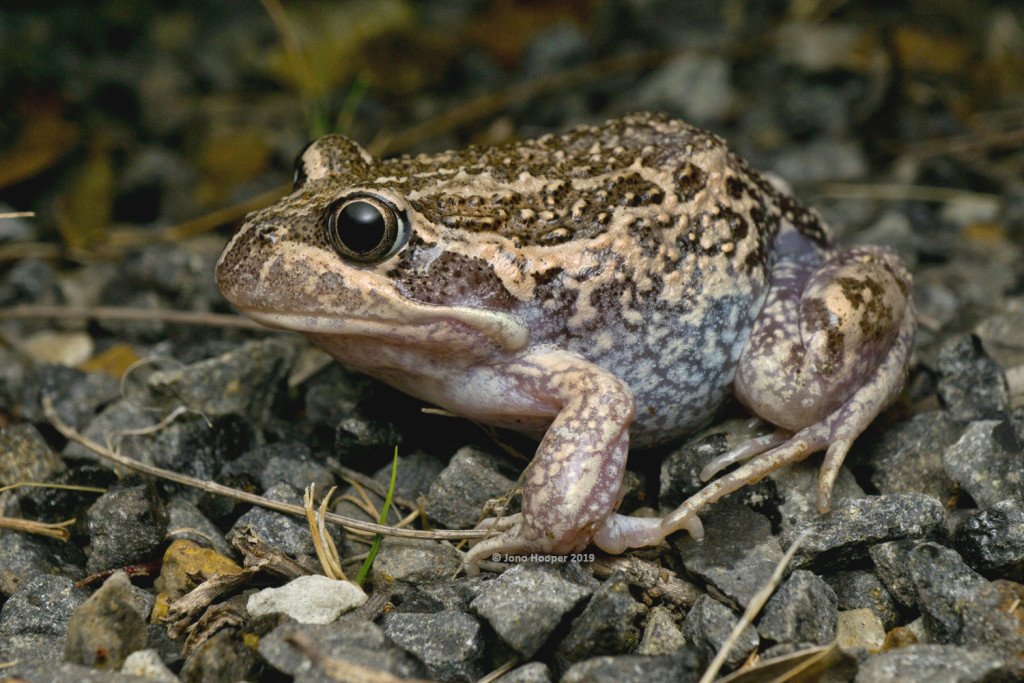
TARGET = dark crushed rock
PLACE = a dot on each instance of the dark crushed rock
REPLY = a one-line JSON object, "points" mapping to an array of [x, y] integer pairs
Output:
{"points": [[738, 553], [243, 382], [680, 469], [860, 589], [61, 504], [287, 533], [527, 603], [941, 581], [472, 477], [416, 472], [34, 621], [604, 627], [993, 618], [292, 463], [891, 566], [661, 633], [25, 456], [440, 596], [127, 525], [451, 644], [404, 561], [364, 436], [224, 657], [707, 627], [907, 458], [985, 462], [991, 540], [42, 671], [972, 386], [107, 627], [936, 664], [76, 395], [679, 667], [534, 672], [186, 521], [120, 416], [24, 556], [844, 535], [796, 494], [802, 610], [353, 640]]}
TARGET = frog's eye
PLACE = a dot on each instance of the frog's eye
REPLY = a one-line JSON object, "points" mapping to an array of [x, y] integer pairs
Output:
{"points": [[299, 168], [365, 228]]}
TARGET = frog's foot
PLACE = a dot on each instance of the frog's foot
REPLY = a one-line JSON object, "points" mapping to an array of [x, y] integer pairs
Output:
{"points": [[573, 484], [828, 352]]}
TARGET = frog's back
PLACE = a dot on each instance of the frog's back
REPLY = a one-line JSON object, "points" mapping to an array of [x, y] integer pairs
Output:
{"points": [[642, 244]]}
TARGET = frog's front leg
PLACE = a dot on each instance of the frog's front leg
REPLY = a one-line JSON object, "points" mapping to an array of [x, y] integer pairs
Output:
{"points": [[828, 352], [571, 488]]}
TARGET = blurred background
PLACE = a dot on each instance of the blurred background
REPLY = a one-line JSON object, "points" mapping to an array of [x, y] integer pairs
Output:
{"points": [[140, 132]]}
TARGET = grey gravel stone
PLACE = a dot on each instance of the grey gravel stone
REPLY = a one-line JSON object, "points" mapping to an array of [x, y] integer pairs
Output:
{"points": [[534, 672], [860, 589], [287, 533], [414, 561], [934, 664], [908, 456], [225, 656], [244, 382], [844, 535], [24, 556], [127, 525], [451, 644], [971, 385], [351, 640], [985, 462], [107, 627], [707, 627], [679, 667], [680, 469], [34, 621], [891, 567], [416, 472], [992, 540], [942, 581], [472, 478], [661, 633], [311, 599], [604, 627], [76, 395], [186, 521], [292, 463], [119, 416], [803, 609], [526, 604], [797, 489], [993, 618], [41, 671], [25, 456], [738, 553]]}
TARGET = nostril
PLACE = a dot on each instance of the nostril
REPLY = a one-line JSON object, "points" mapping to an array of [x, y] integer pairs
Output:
{"points": [[268, 233]]}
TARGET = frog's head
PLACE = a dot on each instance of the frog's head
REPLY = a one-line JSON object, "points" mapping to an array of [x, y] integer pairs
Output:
{"points": [[333, 259]]}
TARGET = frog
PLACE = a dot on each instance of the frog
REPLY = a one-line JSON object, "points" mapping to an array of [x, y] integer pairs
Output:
{"points": [[608, 288]]}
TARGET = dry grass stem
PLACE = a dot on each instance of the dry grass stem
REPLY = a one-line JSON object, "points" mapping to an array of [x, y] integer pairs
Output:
{"points": [[235, 494], [326, 551], [57, 530], [753, 608]]}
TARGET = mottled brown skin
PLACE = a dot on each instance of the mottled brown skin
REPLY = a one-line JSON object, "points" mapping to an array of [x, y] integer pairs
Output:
{"points": [[608, 287]]}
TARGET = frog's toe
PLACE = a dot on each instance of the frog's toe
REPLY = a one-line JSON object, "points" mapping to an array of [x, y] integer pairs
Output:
{"points": [[744, 452]]}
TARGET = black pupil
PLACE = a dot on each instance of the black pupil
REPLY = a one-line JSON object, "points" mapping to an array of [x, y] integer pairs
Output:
{"points": [[361, 227]]}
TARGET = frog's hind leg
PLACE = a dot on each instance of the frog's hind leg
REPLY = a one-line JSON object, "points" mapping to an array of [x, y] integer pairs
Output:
{"points": [[828, 352]]}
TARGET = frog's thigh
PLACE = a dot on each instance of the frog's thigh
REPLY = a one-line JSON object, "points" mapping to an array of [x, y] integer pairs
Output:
{"points": [[573, 482], [828, 352]]}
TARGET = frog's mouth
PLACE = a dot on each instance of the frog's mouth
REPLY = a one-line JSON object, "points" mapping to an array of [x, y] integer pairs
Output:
{"points": [[306, 293]]}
